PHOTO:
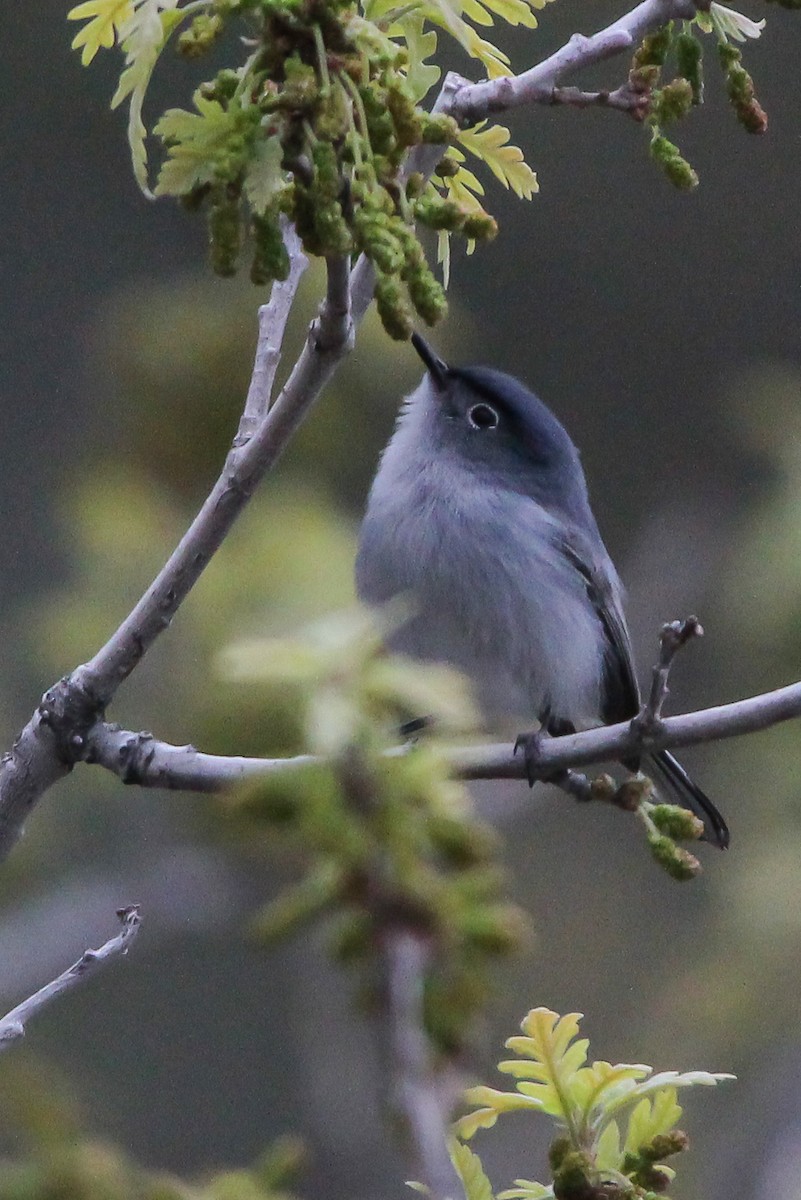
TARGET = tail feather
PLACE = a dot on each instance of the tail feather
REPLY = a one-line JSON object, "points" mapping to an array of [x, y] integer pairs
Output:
{"points": [[690, 796]]}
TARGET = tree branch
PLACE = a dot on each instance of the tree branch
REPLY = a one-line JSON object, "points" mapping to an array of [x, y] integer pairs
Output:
{"points": [[273, 318], [55, 737], [13, 1024], [142, 759], [470, 102], [421, 1093]]}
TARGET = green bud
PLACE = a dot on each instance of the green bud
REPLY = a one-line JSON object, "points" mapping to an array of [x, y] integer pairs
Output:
{"points": [[201, 35], [678, 862], [439, 130], [677, 169], [664, 1145], [673, 101], [415, 185], [225, 235], [437, 213], [653, 50], [301, 89], [572, 1180], [427, 296], [393, 308], [222, 87], [676, 822], [690, 63], [270, 258], [405, 117], [740, 90], [447, 167], [560, 1147], [481, 226]]}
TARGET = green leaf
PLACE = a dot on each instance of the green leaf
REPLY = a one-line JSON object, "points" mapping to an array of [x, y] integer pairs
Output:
{"points": [[421, 76], [727, 23], [666, 1079], [264, 177], [490, 143], [470, 1171], [608, 1156], [651, 1117], [527, 1189], [204, 144], [143, 38], [105, 19]]}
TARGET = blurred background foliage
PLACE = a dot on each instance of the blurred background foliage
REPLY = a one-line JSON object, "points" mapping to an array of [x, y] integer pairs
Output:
{"points": [[663, 329]]}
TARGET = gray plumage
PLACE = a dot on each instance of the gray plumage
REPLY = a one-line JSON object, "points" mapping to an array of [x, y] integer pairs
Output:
{"points": [[479, 514]]}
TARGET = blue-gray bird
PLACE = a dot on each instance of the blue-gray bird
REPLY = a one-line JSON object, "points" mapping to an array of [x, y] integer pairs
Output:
{"points": [[479, 514]]}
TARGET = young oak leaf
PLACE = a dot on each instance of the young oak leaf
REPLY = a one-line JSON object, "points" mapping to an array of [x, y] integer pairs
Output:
{"points": [[650, 1118], [527, 1189], [469, 1169], [143, 36], [104, 20], [490, 143], [200, 144]]}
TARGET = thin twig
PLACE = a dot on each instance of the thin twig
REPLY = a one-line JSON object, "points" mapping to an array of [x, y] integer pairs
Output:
{"points": [[421, 1093], [13, 1024], [672, 637], [142, 759], [273, 318]]}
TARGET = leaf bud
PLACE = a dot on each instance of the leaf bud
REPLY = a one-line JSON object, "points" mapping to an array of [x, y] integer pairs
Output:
{"points": [[673, 101], [393, 308], [690, 63], [663, 1145], [201, 35], [480, 225], [439, 129], [225, 235], [677, 822], [653, 50], [678, 862]]}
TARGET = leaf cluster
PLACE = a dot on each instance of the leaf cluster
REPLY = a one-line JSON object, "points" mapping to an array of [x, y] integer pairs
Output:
{"points": [[315, 126], [81, 1169], [389, 839], [616, 1124]]}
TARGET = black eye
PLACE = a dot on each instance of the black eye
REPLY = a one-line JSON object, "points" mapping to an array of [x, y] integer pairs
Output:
{"points": [[482, 416]]}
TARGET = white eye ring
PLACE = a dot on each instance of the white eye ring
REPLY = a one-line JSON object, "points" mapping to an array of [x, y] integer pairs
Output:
{"points": [[483, 416]]}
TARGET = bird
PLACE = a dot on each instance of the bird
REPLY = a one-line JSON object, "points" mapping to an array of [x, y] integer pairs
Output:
{"points": [[479, 515]]}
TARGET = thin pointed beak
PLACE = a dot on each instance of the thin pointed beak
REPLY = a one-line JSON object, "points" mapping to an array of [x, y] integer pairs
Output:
{"points": [[437, 369]]}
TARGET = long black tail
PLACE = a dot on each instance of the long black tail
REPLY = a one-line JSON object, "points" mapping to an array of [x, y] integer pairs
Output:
{"points": [[689, 795]]}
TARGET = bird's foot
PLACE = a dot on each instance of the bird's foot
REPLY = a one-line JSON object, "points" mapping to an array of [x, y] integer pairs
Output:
{"points": [[531, 745]]}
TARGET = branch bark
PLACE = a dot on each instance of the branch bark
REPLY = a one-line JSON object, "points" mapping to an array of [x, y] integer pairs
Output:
{"points": [[13, 1024], [142, 759], [421, 1093]]}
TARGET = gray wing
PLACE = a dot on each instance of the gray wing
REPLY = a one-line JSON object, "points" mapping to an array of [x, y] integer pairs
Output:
{"points": [[620, 693]]}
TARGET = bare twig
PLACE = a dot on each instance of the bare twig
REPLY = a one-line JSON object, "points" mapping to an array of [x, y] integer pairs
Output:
{"points": [[13, 1024], [672, 637], [472, 102], [273, 318], [426, 1097], [142, 759]]}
